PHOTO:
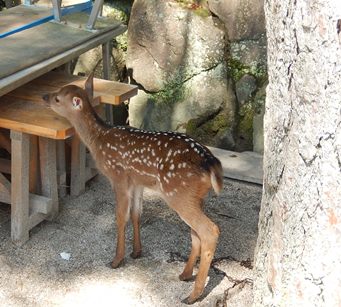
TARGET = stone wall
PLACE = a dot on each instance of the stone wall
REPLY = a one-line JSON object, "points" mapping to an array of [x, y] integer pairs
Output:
{"points": [[201, 69]]}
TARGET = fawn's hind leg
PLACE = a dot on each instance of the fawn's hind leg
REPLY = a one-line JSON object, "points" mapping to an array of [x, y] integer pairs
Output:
{"points": [[191, 212], [187, 273], [135, 214], [123, 200]]}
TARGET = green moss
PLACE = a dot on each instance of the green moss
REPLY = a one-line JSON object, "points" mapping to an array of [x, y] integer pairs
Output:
{"points": [[207, 126], [236, 70], [199, 7], [172, 93], [244, 129]]}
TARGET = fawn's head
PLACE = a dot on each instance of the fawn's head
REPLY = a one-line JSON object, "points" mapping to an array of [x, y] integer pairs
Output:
{"points": [[71, 100]]}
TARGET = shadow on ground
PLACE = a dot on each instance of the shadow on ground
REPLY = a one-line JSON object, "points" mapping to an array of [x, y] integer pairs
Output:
{"points": [[36, 275]]}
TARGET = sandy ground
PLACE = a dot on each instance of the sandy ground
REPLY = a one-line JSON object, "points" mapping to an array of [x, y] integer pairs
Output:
{"points": [[35, 274]]}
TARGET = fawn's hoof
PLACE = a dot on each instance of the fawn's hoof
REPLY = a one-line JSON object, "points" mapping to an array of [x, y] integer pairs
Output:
{"points": [[186, 277], [136, 255], [116, 263], [188, 300]]}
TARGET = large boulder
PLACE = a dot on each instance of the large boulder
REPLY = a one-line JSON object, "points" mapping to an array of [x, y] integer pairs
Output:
{"points": [[243, 19], [178, 56]]}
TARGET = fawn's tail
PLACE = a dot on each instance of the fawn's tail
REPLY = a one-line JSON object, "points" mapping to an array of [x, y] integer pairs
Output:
{"points": [[216, 175]]}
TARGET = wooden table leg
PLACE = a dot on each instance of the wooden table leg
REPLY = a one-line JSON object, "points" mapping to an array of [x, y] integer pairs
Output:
{"points": [[48, 171], [61, 168], [78, 164], [19, 187]]}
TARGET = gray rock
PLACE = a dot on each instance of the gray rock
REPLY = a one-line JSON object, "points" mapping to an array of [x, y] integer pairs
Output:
{"points": [[251, 53], [245, 88], [169, 44], [243, 19], [178, 57], [258, 132]]}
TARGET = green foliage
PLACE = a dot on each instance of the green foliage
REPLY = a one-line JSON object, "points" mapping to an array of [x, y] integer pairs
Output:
{"points": [[120, 9], [2, 4]]}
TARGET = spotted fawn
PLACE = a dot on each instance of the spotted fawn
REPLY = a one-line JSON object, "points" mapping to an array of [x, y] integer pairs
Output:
{"points": [[181, 169]]}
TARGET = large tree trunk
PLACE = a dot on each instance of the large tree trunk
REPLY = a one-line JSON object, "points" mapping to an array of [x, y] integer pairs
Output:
{"points": [[298, 254]]}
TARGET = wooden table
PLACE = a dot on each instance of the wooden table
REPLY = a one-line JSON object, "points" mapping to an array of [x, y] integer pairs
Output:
{"points": [[34, 127], [26, 56]]}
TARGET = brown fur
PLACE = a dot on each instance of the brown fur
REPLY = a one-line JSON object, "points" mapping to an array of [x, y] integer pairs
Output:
{"points": [[182, 170]]}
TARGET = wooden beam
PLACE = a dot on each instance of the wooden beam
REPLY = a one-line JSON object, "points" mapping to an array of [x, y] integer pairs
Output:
{"points": [[40, 204], [61, 168], [5, 142], [48, 171], [19, 187], [78, 165], [17, 79], [5, 189]]}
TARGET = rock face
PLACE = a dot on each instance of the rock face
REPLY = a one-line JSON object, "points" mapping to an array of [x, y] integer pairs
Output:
{"points": [[243, 19], [201, 69], [179, 58]]}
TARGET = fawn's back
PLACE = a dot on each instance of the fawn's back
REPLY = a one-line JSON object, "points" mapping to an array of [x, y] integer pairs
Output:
{"points": [[167, 161]]}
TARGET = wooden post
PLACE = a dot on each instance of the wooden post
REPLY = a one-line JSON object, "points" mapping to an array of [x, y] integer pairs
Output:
{"points": [[34, 171], [61, 168], [19, 189], [106, 56], [78, 160], [48, 170]]}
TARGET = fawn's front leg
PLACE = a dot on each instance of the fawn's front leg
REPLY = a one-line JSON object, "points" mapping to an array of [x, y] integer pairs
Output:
{"points": [[123, 200], [135, 214]]}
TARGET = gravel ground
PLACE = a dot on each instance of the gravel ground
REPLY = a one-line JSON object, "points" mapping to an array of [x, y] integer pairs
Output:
{"points": [[35, 274]]}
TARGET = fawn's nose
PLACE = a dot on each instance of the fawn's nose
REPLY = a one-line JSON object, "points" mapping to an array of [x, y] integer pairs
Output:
{"points": [[46, 97]]}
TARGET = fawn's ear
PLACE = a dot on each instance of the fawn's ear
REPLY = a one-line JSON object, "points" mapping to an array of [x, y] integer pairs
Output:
{"points": [[89, 86], [77, 103]]}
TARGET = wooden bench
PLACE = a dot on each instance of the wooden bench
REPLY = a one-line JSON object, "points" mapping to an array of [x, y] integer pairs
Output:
{"points": [[38, 149]]}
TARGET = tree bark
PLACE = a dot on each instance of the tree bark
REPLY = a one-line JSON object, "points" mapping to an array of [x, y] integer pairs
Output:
{"points": [[298, 253]]}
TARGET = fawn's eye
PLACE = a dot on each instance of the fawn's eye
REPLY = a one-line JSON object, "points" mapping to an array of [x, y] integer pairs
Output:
{"points": [[56, 99]]}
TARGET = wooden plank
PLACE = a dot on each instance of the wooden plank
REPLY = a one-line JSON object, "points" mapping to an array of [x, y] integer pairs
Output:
{"points": [[19, 187], [110, 92], [78, 166], [37, 44], [5, 166], [35, 219], [21, 15], [40, 204], [33, 118], [244, 166], [33, 167], [48, 171], [5, 196], [13, 81], [5, 183], [5, 141], [106, 56], [61, 168], [5, 189], [45, 41]]}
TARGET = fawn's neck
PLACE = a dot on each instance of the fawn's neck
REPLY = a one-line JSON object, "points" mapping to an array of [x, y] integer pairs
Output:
{"points": [[90, 127]]}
